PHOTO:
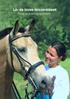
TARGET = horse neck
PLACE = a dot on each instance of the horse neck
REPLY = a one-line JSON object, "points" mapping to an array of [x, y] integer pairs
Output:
{"points": [[6, 74]]}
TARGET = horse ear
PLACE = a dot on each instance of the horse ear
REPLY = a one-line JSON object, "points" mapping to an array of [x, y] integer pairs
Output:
{"points": [[15, 29], [30, 27]]}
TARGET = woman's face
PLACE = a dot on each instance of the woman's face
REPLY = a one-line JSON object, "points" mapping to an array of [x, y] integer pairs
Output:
{"points": [[51, 57]]}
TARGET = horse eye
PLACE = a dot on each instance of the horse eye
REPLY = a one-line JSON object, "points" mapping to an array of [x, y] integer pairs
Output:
{"points": [[22, 49]]}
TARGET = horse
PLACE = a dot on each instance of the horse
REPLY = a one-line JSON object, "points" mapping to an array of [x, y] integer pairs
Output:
{"points": [[18, 52]]}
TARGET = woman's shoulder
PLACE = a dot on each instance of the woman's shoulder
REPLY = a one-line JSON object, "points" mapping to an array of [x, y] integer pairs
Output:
{"points": [[62, 70], [57, 71]]}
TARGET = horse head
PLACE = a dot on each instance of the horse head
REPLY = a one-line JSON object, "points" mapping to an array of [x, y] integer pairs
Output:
{"points": [[21, 54]]}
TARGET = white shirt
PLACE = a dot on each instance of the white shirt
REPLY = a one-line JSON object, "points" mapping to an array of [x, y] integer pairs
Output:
{"points": [[61, 84]]}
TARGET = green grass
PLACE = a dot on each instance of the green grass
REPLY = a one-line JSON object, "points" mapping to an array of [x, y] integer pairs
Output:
{"points": [[21, 85], [20, 82], [66, 65]]}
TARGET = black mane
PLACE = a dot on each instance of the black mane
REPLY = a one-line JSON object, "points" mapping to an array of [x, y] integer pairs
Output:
{"points": [[6, 31]]}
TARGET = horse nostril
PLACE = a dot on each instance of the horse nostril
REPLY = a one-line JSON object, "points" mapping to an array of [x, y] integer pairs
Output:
{"points": [[42, 84]]}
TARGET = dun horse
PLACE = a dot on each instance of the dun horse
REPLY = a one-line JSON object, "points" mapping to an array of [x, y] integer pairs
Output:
{"points": [[18, 52]]}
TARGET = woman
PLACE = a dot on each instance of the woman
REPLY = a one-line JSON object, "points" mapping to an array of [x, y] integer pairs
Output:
{"points": [[56, 53]]}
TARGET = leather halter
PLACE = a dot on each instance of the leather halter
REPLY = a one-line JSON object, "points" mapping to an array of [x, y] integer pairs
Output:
{"points": [[32, 68]]}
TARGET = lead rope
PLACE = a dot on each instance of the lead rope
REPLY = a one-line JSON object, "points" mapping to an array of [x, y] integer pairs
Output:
{"points": [[16, 93], [26, 92], [29, 95]]}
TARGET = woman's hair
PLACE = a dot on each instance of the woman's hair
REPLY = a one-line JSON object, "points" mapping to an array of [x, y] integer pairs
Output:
{"points": [[60, 48]]}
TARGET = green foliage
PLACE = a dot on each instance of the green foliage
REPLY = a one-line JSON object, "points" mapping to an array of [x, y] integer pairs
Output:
{"points": [[52, 26], [68, 53], [42, 48]]}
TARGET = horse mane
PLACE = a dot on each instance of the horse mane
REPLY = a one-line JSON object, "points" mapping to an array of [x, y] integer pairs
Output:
{"points": [[6, 31]]}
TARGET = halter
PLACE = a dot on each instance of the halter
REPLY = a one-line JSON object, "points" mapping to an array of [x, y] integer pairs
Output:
{"points": [[26, 74]]}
